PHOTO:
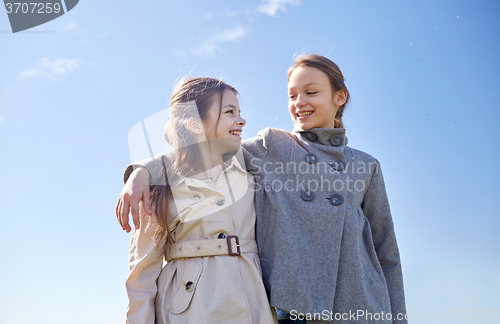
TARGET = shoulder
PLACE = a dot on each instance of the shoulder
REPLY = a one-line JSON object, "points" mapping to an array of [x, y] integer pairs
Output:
{"points": [[265, 136], [269, 143], [360, 156], [275, 133], [363, 164]]}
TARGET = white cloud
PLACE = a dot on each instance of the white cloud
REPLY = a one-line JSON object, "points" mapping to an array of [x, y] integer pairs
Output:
{"points": [[271, 7], [51, 70], [212, 44], [71, 25], [232, 34]]}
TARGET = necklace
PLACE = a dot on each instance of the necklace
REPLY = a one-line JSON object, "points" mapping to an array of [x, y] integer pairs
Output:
{"points": [[211, 179]]}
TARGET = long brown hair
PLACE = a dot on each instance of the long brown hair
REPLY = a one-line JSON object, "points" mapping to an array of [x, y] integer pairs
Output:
{"points": [[334, 74], [204, 92]]}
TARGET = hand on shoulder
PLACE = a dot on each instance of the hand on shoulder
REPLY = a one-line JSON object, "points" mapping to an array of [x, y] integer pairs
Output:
{"points": [[135, 190]]}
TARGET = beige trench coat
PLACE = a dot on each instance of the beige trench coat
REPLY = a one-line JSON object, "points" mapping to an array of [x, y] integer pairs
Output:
{"points": [[218, 288]]}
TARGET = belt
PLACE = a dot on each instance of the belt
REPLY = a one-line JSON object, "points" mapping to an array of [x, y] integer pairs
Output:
{"points": [[232, 246]]}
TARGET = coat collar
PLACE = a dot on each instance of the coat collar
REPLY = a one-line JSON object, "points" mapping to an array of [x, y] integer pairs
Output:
{"points": [[325, 136], [231, 164]]}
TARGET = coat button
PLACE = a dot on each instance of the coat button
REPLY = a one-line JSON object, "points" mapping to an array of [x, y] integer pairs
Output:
{"points": [[220, 202], [338, 165], [311, 136], [336, 140], [311, 158], [336, 199], [189, 286], [222, 236], [308, 195]]}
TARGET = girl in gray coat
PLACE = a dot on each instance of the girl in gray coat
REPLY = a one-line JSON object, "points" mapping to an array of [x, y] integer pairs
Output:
{"points": [[324, 229]]}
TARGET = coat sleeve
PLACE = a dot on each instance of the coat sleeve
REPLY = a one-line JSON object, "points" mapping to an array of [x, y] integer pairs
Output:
{"points": [[154, 165], [255, 150], [145, 264], [376, 208]]}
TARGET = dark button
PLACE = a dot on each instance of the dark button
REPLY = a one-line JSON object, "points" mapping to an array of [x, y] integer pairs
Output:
{"points": [[220, 202], [222, 236], [336, 199], [311, 158], [336, 140], [308, 195], [338, 165], [189, 286], [311, 136]]}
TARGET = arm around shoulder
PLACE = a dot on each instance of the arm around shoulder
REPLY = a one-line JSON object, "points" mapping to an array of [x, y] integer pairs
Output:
{"points": [[256, 149], [153, 165]]}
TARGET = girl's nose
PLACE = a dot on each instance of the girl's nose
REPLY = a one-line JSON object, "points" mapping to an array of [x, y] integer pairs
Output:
{"points": [[241, 122], [299, 102]]}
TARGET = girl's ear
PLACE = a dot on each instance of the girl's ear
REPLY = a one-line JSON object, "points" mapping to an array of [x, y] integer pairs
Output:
{"points": [[340, 97], [194, 125]]}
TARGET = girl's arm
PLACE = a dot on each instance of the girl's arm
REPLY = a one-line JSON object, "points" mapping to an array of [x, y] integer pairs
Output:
{"points": [[142, 174], [145, 264], [376, 208], [149, 171], [255, 150], [153, 165]]}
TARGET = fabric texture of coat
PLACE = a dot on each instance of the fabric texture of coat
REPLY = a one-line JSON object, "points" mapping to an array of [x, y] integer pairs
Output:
{"points": [[324, 229], [216, 289]]}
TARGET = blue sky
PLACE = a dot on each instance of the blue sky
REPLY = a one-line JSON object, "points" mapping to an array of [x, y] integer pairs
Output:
{"points": [[423, 77]]}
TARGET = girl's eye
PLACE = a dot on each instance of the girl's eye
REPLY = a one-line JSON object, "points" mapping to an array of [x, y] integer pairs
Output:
{"points": [[291, 96], [230, 111], [311, 92]]}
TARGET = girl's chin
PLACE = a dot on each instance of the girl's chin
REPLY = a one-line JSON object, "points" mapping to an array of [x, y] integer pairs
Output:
{"points": [[307, 126], [303, 126]]}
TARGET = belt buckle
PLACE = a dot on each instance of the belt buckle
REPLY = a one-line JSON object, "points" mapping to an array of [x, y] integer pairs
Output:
{"points": [[230, 249]]}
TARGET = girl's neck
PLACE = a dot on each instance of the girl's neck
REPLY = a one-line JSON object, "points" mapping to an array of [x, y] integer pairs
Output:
{"points": [[211, 163]]}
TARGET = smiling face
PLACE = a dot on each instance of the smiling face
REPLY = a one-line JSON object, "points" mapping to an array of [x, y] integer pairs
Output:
{"points": [[311, 100], [226, 134]]}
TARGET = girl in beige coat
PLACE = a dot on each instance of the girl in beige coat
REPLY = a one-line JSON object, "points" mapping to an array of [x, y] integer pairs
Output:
{"points": [[203, 221]]}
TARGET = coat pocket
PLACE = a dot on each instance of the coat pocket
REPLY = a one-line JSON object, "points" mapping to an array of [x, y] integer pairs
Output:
{"points": [[256, 260], [189, 281]]}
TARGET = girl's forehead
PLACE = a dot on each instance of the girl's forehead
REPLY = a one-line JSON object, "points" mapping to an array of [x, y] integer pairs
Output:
{"points": [[305, 76], [229, 98]]}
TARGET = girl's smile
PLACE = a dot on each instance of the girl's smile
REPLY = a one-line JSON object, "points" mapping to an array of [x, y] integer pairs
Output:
{"points": [[236, 132], [302, 115]]}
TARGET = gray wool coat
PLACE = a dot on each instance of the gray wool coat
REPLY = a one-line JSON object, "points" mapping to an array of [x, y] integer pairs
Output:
{"points": [[324, 229], [338, 254]]}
